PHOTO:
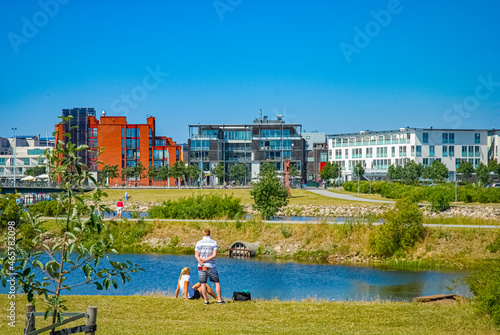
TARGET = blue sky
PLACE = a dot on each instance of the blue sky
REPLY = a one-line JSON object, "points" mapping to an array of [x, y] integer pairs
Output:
{"points": [[334, 66]]}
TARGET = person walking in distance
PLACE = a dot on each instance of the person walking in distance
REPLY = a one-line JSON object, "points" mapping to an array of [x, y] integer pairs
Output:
{"points": [[119, 205], [126, 196], [206, 252]]}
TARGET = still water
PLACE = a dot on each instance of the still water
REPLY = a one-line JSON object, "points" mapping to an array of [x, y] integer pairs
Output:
{"points": [[287, 281]]}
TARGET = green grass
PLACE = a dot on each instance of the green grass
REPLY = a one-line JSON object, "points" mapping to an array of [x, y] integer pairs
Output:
{"points": [[159, 314], [299, 197]]}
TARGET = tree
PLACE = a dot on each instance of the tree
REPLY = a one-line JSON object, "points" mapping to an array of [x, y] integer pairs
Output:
{"points": [[391, 173], [269, 194], [267, 167], [138, 171], [294, 172], [493, 166], [238, 172], [193, 171], [164, 172], [412, 172], [108, 171], [465, 169], [427, 172], [483, 174], [402, 229], [358, 170], [398, 172], [330, 171], [178, 171], [127, 172], [439, 171], [35, 171], [153, 172], [80, 241], [219, 172]]}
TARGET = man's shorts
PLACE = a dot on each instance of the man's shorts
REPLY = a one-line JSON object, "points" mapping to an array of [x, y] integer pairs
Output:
{"points": [[211, 273], [196, 295]]}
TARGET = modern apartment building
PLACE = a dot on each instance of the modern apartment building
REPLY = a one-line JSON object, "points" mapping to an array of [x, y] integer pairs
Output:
{"points": [[494, 145], [121, 144], [27, 151], [317, 153], [262, 141], [377, 150]]}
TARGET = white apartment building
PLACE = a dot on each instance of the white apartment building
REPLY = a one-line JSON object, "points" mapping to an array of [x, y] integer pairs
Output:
{"points": [[494, 145], [377, 150], [27, 149]]}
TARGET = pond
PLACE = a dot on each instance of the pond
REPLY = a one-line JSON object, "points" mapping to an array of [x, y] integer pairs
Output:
{"points": [[287, 280]]}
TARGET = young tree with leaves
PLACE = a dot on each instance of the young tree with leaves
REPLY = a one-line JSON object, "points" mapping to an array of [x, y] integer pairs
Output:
{"points": [[81, 241], [35, 171], [108, 171], [465, 169], [238, 172], [412, 172], [269, 194], [193, 171], [178, 171], [483, 174], [330, 171], [219, 172]]}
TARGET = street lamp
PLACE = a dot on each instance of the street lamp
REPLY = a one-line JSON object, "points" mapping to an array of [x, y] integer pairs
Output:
{"points": [[14, 129]]}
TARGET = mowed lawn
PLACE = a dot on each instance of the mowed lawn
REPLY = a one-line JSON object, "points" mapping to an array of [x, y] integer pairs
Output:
{"points": [[159, 314], [299, 197]]}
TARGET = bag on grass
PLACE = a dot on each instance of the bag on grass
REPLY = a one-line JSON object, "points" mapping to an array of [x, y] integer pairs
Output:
{"points": [[242, 296]]}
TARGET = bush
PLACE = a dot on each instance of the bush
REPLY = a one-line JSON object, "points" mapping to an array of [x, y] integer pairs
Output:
{"points": [[202, 206], [9, 210], [402, 229], [439, 198], [46, 208], [485, 285]]}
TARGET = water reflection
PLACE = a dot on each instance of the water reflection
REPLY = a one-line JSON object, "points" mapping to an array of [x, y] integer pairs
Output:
{"points": [[288, 280]]}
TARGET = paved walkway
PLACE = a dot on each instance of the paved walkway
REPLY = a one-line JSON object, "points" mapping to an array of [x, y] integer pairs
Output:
{"points": [[345, 196]]}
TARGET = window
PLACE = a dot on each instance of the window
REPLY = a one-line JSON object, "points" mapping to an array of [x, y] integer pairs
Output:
{"points": [[412, 150], [457, 163], [26, 161], [419, 150], [425, 138], [199, 145], [451, 138], [123, 132], [346, 153], [402, 151], [338, 154], [209, 133], [132, 132], [445, 137], [323, 157], [464, 151], [477, 153], [35, 152], [393, 151], [477, 162], [270, 133], [445, 151], [238, 135], [471, 150], [431, 151], [451, 151], [92, 132], [369, 152], [160, 142], [477, 138], [425, 161]]}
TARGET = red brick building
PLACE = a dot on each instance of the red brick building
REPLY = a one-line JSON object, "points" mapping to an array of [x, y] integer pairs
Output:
{"points": [[122, 144]]}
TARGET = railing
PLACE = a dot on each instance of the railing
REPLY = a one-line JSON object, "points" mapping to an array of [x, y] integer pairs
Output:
{"points": [[89, 328]]}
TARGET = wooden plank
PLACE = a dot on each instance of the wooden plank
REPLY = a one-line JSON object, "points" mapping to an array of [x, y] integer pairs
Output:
{"points": [[30, 318], [91, 318], [55, 325], [435, 297]]}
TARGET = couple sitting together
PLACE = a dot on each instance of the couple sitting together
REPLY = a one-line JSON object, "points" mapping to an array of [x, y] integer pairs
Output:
{"points": [[205, 253]]}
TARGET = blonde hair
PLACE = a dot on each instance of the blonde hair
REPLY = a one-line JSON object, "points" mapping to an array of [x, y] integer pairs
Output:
{"points": [[184, 271]]}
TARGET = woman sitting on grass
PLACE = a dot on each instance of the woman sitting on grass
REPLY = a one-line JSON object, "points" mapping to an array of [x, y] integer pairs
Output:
{"points": [[186, 290]]}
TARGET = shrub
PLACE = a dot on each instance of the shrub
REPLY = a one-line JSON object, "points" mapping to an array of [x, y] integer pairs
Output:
{"points": [[269, 194], [485, 285], [202, 206], [9, 210], [439, 198], [402, 229]]}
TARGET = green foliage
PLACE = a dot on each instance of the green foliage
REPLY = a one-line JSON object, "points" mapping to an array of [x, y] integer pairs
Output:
{"points": [[81, 241], [485, 285], [439, 197], [446, 191], [402, 229], [46, 208], [269, 194], [35, 171], [219, 172], [465, 169], [193, 172], [238, 172], [358, 170], [108, 171], [286, 231], [178, 170], [330, 171], [9, 210], [153, 172], [201, 206], [412, 172], [483, 174], [439, 171]]}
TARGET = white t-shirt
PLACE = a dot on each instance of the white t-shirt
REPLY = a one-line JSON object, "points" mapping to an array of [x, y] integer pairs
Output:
{"points": [[185, 278]]}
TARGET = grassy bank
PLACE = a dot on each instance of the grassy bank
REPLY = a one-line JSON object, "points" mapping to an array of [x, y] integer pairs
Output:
{"points": [[299, 197], [160, 314], [442, 247]]}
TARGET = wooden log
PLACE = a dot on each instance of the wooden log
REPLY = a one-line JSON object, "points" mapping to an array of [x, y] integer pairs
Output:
{"points": [[30, 318], [91, 318]]}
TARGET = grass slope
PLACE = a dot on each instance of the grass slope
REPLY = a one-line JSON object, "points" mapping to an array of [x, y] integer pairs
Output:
{"points": [[159, 314]]}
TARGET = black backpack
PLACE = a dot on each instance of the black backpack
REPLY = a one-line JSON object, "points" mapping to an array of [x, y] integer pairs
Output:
{"points": [[242, 296]]}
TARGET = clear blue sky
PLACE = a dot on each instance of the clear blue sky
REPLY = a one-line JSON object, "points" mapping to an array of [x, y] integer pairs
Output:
{"points": [[227, 61]]}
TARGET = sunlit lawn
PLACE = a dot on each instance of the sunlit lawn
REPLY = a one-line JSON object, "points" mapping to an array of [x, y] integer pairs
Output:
{"points": [[302, 197], [159, 314]]}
